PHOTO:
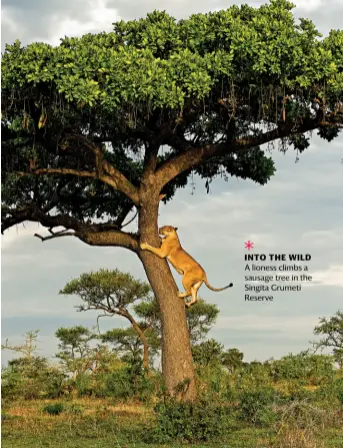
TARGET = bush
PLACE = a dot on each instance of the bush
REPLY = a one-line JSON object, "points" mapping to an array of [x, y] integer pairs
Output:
{"points": [[31, 379], [83, 384], [339, 389], [118, 384], [255, 406], [309, 368], [53, 409], [200, 421]]}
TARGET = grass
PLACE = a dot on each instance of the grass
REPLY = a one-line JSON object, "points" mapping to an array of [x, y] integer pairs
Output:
{"points": [[94, 423]]}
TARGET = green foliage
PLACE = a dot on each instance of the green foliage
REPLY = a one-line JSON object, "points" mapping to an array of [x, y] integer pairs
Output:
{"points": [[207, 352], [109, 289], [339, 389], [53, 409], [31, 378], [309, 368], [128, 345], [255, 406], [200, 318], [217, 77], [190, 422], [123, 384], [76, 354], [83, 384], [211, 352], [232, 359], [332, 331], [28, 348]]}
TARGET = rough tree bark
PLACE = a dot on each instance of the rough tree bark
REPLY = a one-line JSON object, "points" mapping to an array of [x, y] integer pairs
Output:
{"points": [[177, 362]]}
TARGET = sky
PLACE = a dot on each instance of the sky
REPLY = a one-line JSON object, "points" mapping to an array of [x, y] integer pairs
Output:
{"points": [[298, 211]]}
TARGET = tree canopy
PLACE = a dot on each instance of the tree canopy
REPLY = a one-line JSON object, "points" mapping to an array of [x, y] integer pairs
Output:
{"points": [[331, 330], [81, 120]]}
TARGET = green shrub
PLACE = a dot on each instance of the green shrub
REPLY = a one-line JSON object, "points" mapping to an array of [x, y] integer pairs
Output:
{"points": [[306, 367], [338, 386], [191, 422], [118, 384], [53, 409], [83, 384], [255, 406]]}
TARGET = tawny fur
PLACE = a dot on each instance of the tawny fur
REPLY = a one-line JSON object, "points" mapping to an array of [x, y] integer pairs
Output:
{"points": [[193, 274]]}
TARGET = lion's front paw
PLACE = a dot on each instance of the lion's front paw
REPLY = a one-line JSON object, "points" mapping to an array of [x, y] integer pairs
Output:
{"points": [[144, 246]]}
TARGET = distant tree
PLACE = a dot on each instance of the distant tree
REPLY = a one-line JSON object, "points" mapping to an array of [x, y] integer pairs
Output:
{"points": [[112, 293], [76, 353], [106, 126], [212, 352], [208, 352], [232, 359], [30, 376], [128, 344], [332, 331], [28, 348], [200, 318]]}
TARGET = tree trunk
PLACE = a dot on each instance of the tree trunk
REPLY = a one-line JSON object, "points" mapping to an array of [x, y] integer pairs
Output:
{"points": [[177, 363], [144, 341]]}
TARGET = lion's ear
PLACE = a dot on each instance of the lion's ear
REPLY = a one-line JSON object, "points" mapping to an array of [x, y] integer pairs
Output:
{"points": [[175, 228]]}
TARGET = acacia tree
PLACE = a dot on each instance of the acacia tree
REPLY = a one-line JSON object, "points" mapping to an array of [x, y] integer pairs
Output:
{"points": [[199, 318], [110, 124], [28, 348], [331, 330], [112, 292], [76, 353]]}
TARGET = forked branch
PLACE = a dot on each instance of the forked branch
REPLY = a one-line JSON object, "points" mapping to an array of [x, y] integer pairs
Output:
{"points": [[192, 156]]}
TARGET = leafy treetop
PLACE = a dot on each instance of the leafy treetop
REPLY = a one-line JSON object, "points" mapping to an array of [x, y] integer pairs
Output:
{"points": [[84, 124]]}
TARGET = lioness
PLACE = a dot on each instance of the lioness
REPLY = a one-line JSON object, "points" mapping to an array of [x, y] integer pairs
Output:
{"points": [[193, 273]]}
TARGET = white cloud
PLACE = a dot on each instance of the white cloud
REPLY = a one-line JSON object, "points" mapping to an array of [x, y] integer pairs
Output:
{"points": [[20, 232], [308, 5], [292, 325], [333, 276], [324, 237], [101, 18]]}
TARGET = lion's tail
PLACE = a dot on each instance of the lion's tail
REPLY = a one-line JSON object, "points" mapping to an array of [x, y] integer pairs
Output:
{"points": [[216, 289]]}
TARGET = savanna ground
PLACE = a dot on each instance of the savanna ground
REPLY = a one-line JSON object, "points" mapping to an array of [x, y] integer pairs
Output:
{"points": [[109, 422], [292, 402], [94, 423]]}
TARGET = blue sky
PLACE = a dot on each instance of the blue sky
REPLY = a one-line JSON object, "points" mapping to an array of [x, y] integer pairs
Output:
{"points": [[299, 210]]}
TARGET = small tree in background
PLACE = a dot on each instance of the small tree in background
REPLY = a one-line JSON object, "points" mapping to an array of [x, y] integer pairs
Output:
{"points": [[28, 348], [332, 331], [200, 318], [30, 376], [76, 353], [232, 359], [112, 293], [129, 346]]}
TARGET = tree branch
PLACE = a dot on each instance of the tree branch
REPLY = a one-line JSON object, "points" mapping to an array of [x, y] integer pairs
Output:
{"points": [[102, 234], [192, 156], [55, 235], [114, 178], [110, 238]]}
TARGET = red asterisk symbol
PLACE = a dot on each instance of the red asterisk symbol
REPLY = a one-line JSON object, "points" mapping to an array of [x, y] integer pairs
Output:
{"points": [[249, 245]]}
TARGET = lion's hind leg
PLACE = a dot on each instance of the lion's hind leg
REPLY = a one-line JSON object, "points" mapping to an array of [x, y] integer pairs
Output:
{"points": [[194, 291], [187, 281], [191, 283]]}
